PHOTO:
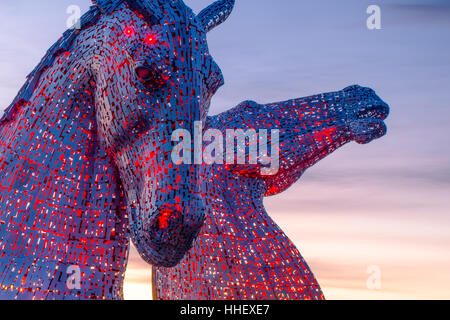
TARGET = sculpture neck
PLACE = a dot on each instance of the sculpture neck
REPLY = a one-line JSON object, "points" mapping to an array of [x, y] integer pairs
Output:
{"points": [[61, 202]]}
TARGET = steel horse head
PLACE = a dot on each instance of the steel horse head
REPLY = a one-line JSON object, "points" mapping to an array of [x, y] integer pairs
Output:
{"points": [[85, 148], [154, 74]]}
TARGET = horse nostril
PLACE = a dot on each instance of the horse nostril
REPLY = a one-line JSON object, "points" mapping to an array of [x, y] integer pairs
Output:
{"points": [[163, 218], [144, 73], [167, 215]]}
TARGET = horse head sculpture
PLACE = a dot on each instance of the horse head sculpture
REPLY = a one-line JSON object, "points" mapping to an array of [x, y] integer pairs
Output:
{"points": [[85, 148], [153, 75]]}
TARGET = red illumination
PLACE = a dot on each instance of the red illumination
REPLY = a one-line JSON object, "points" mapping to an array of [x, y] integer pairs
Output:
{"points": [[164, 219], [150, 40], [129, 31]]}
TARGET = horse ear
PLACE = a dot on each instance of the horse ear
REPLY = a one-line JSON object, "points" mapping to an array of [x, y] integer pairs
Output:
{"points": [[215, 14]]}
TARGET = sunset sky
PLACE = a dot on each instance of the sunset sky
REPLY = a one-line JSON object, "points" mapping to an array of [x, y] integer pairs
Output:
{"points": [[385, 204]]}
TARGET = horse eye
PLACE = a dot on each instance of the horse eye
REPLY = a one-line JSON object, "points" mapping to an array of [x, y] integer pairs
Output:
{"points": [[144, 73]]}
